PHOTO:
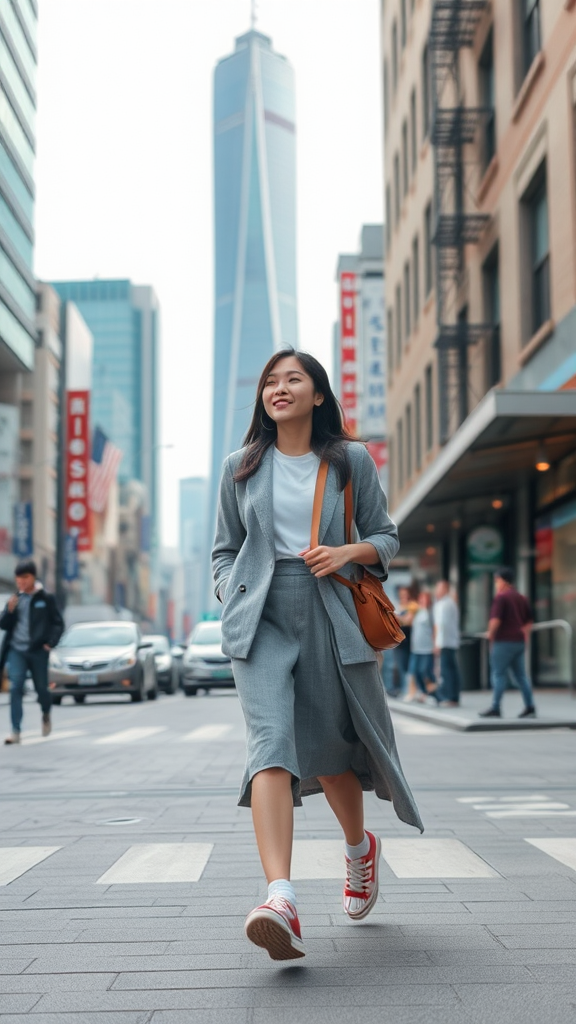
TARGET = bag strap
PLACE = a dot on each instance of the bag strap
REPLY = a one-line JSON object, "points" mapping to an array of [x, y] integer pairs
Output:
{"points": [[317, 512]]}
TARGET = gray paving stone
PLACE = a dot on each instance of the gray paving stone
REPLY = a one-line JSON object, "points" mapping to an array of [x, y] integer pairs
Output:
{"points": [[55, 982], [80, 1018], [18, 1002], [14, 965]]}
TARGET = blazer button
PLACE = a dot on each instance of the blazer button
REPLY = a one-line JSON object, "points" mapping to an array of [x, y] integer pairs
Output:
{"points": [[242, 588]]}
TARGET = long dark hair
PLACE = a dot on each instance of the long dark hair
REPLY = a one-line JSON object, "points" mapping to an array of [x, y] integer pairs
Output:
{"points": [[329, 435]]}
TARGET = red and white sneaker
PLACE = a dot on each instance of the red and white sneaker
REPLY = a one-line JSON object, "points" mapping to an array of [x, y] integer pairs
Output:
{"points": [[361, 886], [275, 927]]}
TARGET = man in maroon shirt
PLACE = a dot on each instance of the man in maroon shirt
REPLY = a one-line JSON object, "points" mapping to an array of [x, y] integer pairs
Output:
{"points": [[508, 633]]}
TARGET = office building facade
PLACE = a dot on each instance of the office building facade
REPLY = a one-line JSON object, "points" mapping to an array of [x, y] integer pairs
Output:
{"points": [[193, 517], [18, 60], [479, 133], [359, 364], [124, 321]]}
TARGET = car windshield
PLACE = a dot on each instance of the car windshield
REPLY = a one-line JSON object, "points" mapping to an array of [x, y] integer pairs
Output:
{"points": [[160, 644], [99, 636], [207, 633]]}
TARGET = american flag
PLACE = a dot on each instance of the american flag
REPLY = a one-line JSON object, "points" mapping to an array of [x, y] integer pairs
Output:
{"points": [[104, 464]]}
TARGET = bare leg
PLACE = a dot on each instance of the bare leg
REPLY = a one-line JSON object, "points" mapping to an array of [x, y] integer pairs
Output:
{"points": [[344, 794], [273, 817]]}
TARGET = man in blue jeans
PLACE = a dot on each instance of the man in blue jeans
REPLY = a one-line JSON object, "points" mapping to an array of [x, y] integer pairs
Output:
{"points": [[33, 626], [508, 633]]}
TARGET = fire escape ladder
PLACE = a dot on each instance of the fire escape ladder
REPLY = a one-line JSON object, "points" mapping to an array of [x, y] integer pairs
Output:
{"points": [[454, 126]]}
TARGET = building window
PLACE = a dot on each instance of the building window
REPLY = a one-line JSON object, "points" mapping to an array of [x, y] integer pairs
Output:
{"points": [[429, 408], [462, 372], [26, 453], [407, 303], [418, 427], [408, 441], [390, 345], [532, 31], [397, 199], [400, 453], [426, 93], [391, 467], [416, 278], [394, 47], [403, 23], [491, 279], [388, 218], [398, 312], [413, 131], [405, 171], [26, 415], [385, 94], [488, 99], [536, 202], [428, 250]]}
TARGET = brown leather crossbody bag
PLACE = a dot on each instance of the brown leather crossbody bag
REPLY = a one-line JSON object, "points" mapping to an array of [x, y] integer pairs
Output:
{"points": [[374, 609]]}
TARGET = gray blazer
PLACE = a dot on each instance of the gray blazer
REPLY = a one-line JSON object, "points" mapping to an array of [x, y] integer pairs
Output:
{"points": [[243, 557]]}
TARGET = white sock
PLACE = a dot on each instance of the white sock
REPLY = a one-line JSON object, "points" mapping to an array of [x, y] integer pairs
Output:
{"points": [[354, 852], [284, 888]]}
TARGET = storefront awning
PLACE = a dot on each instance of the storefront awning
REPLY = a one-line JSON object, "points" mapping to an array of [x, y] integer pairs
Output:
{"points": [[490, 456]]}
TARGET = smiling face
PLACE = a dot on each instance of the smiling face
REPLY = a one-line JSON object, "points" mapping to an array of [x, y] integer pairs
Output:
{"points": [[289, 393]]}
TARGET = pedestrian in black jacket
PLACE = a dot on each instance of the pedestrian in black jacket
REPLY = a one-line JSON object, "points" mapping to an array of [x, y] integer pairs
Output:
{"points": [[33, 626]]}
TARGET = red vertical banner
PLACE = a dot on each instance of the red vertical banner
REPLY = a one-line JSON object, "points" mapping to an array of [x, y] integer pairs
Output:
{"points": [[78, 522], [349, 350]]}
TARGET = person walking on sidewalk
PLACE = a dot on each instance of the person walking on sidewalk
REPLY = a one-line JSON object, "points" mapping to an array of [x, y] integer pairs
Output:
{"points": [[508, 633], [421, 667], [33, 626], [405, 612], [315, 709], [447, 643]]}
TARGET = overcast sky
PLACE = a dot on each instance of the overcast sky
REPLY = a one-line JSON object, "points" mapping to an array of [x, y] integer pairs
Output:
{"points": [[124, 170]]}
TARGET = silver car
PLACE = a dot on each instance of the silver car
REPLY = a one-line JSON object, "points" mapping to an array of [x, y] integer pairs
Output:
{"points": [[101, 658], [205, 666]]}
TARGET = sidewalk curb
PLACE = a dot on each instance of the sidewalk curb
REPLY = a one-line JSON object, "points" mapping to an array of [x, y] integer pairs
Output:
{"points": [[461, 724]]}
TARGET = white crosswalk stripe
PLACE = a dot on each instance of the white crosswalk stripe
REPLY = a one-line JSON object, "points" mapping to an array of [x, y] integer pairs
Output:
{"points": [[64, 734], [159, 862], [131, 735], [537, 805], [563, 850], [208, 732], [17, 860], [313, 859]]}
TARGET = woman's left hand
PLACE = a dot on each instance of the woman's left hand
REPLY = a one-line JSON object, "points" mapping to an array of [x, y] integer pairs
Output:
{"points": [[324, 560]]}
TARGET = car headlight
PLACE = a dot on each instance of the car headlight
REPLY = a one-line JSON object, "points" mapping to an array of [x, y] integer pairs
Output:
{"points": [[163, 661], [56, 661], [124, 661]]}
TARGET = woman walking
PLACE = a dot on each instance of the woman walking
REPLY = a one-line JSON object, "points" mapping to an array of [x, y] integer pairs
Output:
{"points": [[421, 667], [315, 709]]}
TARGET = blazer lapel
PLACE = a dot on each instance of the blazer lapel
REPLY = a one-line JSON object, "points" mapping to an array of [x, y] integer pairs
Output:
{"points": [[331, 495], [259, 491]]}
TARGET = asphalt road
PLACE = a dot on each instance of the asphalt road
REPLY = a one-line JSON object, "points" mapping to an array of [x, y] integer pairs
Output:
{"points": [[126, 870]]}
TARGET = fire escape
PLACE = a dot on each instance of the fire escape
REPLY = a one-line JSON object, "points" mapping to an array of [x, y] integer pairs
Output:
{"points": [[454, 130]]}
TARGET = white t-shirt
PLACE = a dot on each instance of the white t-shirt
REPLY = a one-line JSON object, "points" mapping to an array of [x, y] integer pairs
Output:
{"points": [[447, 622], [293, 485]]}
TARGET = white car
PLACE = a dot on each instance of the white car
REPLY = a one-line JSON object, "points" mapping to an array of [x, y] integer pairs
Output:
{"points": [[204, 665]]}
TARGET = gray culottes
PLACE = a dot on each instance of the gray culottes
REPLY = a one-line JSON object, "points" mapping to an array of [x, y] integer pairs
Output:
{"points": [[305, 711]]}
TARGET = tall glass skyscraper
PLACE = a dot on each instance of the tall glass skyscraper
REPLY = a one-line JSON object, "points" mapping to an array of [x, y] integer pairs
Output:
{"points": [[255, 232]]}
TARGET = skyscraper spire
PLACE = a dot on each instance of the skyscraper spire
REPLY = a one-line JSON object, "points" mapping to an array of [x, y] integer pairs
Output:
{"points": [[253, 14]]}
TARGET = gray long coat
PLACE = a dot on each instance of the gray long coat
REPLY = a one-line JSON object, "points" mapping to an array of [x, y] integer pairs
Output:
{"points": [[243, 557]]}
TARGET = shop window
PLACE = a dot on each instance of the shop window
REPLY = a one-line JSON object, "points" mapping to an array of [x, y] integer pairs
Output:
{"points": [[407, 304], [397, 199], [417, 427], [405, 159], [428, 281], [531, 31], [429, 408], [426, 93], [413, 131], [416, 278], [493, 355], [487, 85]]}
